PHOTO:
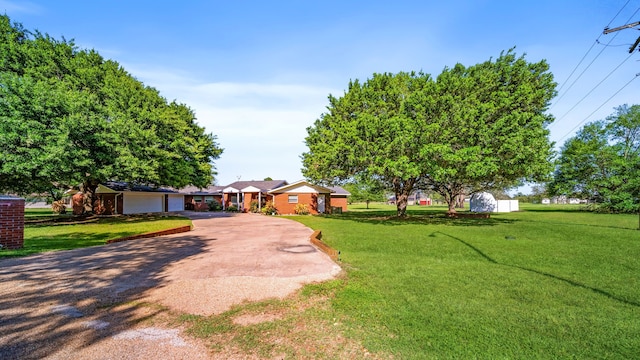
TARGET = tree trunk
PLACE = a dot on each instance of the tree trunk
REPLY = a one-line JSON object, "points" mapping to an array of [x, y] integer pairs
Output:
{"points": [[89, 188], [452, 205], [460, 201], [451, 196], [367, 204], [402, 189], [401, 204]]}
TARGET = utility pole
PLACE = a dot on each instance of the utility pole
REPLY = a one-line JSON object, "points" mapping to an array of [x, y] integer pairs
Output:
{"points": [[633, 47], [628, 26]]}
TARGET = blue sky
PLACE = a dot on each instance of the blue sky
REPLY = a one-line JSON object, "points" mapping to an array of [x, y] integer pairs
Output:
{"points": [[258, 73]]}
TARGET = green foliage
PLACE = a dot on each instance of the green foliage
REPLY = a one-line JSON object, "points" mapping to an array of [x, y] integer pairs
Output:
{"points": [[602, 162], [301, 209], [269, 209], [214, 206], [470, 129], [253, 206], [232, 208], [70, 117], [538, 192], [366, 190]]}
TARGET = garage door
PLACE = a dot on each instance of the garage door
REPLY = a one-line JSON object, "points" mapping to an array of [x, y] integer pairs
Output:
{"points": [[176, 203], [142, 203]]}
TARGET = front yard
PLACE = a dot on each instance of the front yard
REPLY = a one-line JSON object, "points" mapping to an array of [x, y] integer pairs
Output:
{"points": [[58, 236]]}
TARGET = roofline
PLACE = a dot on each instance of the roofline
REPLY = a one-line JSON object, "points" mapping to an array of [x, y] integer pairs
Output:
{"points": [[321, 189]]}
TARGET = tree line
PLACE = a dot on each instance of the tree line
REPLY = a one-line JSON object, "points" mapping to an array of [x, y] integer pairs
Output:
{"points": [[601, 163], [70, 117]]}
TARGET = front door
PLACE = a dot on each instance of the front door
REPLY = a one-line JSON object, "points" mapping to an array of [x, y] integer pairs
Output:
{"points": [[321, 203]]}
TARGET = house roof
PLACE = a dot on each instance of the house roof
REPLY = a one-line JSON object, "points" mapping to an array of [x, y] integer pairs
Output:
{"points": [[301, 183], [339, 190], [209, 190], [118, 186], [263, 186]]}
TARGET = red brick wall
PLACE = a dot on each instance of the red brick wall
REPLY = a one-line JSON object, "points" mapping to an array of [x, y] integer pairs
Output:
{"points": [[11, 223], [339, 200], [283, 206]]}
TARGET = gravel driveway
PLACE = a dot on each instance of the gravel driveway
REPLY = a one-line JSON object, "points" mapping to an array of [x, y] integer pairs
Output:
{"points": [[80, 303]]}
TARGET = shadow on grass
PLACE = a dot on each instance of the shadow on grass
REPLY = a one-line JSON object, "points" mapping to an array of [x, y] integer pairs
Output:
{"points": [[538, 272], [423, 217], [75, 220], [50, 300], [66, 241]]}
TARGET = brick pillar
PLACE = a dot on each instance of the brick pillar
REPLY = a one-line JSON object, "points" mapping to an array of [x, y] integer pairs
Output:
{"points": [[11, 222]]}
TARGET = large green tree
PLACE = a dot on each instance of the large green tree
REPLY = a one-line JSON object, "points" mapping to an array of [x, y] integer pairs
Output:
{"points": [[601, 162], [472, 128], [69, 117], [371, 132]]}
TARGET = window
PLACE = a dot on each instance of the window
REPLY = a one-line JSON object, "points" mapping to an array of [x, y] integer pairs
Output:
{"points": [[293, 199]]}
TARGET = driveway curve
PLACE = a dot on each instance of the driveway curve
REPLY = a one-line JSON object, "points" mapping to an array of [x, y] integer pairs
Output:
{"points": [[77, 303]]}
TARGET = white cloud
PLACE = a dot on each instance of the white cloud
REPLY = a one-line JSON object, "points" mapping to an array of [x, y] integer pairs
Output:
{"points": [[261, 126]]}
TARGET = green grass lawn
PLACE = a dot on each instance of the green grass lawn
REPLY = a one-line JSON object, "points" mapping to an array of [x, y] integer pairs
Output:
{"points": [[546, 282], [41, 238]]}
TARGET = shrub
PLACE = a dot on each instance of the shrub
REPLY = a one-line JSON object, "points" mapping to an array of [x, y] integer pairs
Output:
{"points": [[59, 207], [301, 209], [232, 208], [269, 209], [214, 206], [253, 206]]}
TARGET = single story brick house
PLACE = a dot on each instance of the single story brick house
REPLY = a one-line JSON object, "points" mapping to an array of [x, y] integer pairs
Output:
{"points": [[124, 198], [115, 197], [240, 194], [317, 198]]}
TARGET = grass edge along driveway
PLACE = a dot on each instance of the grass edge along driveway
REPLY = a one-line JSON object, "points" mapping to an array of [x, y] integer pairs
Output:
{"points": [[47, 237], [542, 283]]}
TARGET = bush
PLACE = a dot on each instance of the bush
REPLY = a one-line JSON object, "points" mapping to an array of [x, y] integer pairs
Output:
{"points": [[214, 206], [301, 209], [269, 209], [232, 208], [253, 206], [59, 207]]}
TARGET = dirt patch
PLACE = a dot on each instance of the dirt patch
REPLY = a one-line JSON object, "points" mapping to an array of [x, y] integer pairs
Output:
{"points": [[252, 319]]}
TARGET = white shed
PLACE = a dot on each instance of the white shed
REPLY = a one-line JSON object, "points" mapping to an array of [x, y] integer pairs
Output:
{"points": [[483, 202]]}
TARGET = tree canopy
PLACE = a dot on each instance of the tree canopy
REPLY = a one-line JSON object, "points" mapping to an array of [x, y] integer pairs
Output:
{"points": [[69, 117], [470, 129], [601, 163]]}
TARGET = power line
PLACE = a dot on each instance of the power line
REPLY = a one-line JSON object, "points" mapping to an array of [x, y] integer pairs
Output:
{"points": [[585, 69], [599, 107], [593, 89], [588, 51]]}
